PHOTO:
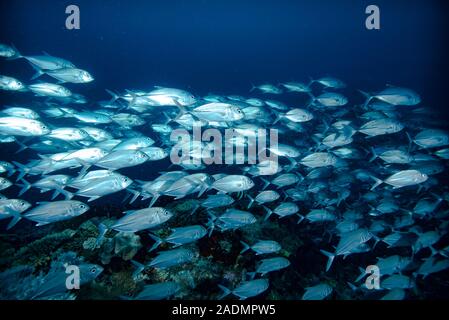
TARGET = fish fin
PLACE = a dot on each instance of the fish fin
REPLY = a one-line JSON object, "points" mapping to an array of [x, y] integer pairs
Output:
{"points": [[301, 218], [114, 96], [266, 183], [182, 110], [16, 218], [278, 115], [22, 146], [251, 201], [38, 73], [352, 286], [251, 275], [362, 274], [102, 230], [42, 224], [158, 242], [93, 198], [253, 87], [246, 247], [377, 182], [293, 164], [135, 194], [269, 213], [368, 97], [225, 292], [330, 257], [197, 206], [23, 170], [410, 141], [139, 268], [154, 199], [167, 117], [25, 186], [374, 155]]}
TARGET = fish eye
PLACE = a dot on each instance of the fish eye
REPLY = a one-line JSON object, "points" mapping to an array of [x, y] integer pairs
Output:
{"points": [[93, 270]]}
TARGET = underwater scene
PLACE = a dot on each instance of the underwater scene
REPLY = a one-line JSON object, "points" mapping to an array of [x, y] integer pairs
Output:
{"points": [[207, 150]]}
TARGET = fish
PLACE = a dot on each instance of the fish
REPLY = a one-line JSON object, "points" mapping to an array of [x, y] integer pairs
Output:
{"points": [[319, 292], [402, 179], [233, 183], [50, 212], [46, 89], [262, 247], [246, 289], [272, 264], [395, 96], [170, 258], [71, 75], [11, 84], [263, 197], [122, 159], [7, 51], [180, 236], [19, 126], [157, 291], [348, 242], [104, 186], [142, 219]]}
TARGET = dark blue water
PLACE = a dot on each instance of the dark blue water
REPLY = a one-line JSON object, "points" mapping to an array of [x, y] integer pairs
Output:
{"points": [[224, 46]]}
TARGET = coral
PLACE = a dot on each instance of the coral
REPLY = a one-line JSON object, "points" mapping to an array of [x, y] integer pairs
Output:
{"points": [[123, 245], [126, 245], [40, 252]]}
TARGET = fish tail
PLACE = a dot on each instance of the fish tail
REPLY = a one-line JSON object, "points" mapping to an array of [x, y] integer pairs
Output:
{"points": [[135, 194], [114, 96], [269, 213], [352, 286], [377, 182], [278, 115], [253, 87], [368, 97], [158, 242], [15, 219], [139, 268], [410, 141], [245, 247], [374, 155], [330, 259], [168, 119], [362, 274], [23, 169], [266, 183], [301, 218], [25, 186], [102, 229], [22, 146], [182, 110], [154, 199], [251, 201], [226, 292], [38, 73]]}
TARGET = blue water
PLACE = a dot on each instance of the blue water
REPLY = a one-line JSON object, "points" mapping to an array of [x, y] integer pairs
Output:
{"points": [[224, 47]]}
